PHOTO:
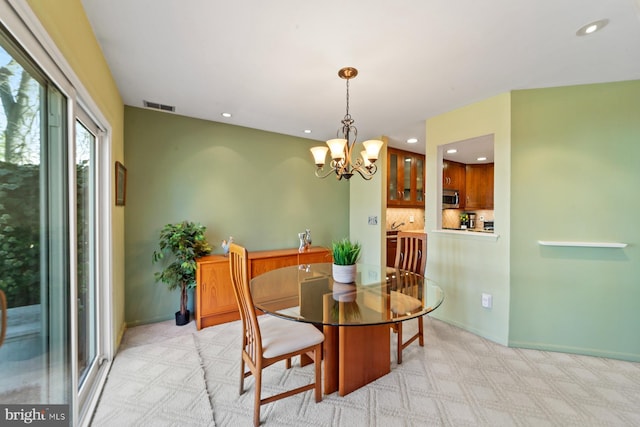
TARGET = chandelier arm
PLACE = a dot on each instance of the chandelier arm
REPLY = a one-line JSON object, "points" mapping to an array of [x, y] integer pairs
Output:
{"points": [[320, 170], [368, 172]]}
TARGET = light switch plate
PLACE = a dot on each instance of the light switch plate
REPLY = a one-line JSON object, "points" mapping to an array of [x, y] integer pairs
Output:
{"points": [[373, 220], [487, 300]]}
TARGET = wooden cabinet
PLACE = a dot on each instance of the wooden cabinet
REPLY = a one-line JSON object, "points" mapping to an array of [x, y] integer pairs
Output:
{"points": [[263, 261], [454, 178], [215, 301], [479, 186], [453, 175], [405, 178]]}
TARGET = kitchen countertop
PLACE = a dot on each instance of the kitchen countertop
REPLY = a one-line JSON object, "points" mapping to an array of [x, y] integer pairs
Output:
{"points": [[393, 233]]}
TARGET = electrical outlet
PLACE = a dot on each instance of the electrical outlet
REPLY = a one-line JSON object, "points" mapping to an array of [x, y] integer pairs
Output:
{"points": [[373, 220], [487, 300], [481, 218], [411, 218]]}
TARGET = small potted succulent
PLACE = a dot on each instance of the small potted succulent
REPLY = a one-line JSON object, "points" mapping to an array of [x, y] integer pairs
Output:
{"points": [[345, 255], [183, 242]]}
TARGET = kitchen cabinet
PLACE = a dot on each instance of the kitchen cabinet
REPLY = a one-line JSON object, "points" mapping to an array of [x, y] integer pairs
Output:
{"points": [[453, 175], [405, 178], [215, 301], [479, 186]]}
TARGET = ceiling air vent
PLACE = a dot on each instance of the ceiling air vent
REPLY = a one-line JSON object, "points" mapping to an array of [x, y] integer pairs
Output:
{"points": [[160, 107]]}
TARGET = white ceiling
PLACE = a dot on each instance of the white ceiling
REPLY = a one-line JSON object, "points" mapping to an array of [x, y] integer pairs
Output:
{"points": [[273, 64]]}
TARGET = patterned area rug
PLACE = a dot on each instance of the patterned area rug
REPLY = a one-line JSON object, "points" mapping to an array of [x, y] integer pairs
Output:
{"points": [[457, 379], [159, 384]]}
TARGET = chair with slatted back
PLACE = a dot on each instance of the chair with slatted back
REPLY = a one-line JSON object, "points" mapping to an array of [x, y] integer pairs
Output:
{"points": [[268, 339], [411, 255]]}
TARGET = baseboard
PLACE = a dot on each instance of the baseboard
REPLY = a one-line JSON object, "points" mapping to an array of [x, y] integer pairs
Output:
{"points": [[468, 328], [133, 323], [630, 357]]}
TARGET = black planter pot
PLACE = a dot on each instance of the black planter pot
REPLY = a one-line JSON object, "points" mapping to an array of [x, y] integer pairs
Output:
{"points": [[182, 320]]}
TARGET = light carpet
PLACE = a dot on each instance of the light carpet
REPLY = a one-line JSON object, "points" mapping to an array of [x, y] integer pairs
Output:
{"points": [[457, 379]]}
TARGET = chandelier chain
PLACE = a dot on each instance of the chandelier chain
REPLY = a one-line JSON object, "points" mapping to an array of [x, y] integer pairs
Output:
{"points": [[347, 114]]}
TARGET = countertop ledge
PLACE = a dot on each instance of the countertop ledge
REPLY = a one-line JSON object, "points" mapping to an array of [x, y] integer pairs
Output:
{"points": [[466, 234]]}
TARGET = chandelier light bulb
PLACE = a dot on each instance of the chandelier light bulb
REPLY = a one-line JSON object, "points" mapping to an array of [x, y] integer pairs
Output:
{"points": [[319, 155], [337, 148], [372, 148]]}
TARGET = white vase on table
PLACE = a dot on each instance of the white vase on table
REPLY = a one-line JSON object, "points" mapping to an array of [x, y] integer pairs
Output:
{"points": [[344, 273]]}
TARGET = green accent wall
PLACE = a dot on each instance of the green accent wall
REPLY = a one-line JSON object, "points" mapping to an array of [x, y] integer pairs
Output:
{"points": [[256, 186], [575, 174]]}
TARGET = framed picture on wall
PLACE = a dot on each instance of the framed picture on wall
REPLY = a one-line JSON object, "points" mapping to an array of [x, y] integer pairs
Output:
{"points": [[121, 184]]}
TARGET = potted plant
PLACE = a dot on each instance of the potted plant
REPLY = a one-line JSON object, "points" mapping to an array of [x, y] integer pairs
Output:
{"points": [[183, 242], [345, 255]]}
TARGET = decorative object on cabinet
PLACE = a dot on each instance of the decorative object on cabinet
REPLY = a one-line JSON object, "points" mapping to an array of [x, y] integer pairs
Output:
{"points": [[305, 240], [184, 242], [405, 178], [345, 256], [121, 184], [215, 302], [303, 243], [342, 148], [225, 245]]}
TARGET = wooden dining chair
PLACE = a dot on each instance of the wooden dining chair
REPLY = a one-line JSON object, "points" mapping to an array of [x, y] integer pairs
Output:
{"points": [[411, 255], [268, 339]]}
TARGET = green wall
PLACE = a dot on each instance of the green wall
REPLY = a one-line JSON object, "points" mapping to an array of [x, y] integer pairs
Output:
{"points": [[466, 265], [256, 186], [575, 177]]}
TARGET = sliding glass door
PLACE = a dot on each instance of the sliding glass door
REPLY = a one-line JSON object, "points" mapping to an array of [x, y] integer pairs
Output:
{"points": [[34, 269], [86, 284], [50, 182]]}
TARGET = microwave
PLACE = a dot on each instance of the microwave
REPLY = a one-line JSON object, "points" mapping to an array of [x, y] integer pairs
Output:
{"points": [[450, 199]]}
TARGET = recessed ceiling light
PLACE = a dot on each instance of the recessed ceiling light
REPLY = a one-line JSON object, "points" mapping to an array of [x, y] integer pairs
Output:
{"points": [[412, 140], [452, 151], [227, 115], [592, 27], [482, 159], [307, 131]]}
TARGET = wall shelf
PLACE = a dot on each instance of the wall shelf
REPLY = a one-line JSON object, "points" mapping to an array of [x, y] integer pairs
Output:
{"points": [[582, 244]]}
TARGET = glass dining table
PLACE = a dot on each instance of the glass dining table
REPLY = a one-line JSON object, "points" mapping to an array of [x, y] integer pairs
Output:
{"points": [[355, 318]]}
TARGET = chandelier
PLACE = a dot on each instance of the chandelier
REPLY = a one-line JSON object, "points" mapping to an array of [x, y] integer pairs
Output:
{"points": [[342, 147]]}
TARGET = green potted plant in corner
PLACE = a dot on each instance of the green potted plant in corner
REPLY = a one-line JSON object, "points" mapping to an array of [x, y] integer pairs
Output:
{"points": [[183, 242], [345, 255]]}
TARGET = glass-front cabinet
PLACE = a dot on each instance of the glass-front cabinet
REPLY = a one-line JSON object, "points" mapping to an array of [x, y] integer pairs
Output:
{"points": [[405, 178]]}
